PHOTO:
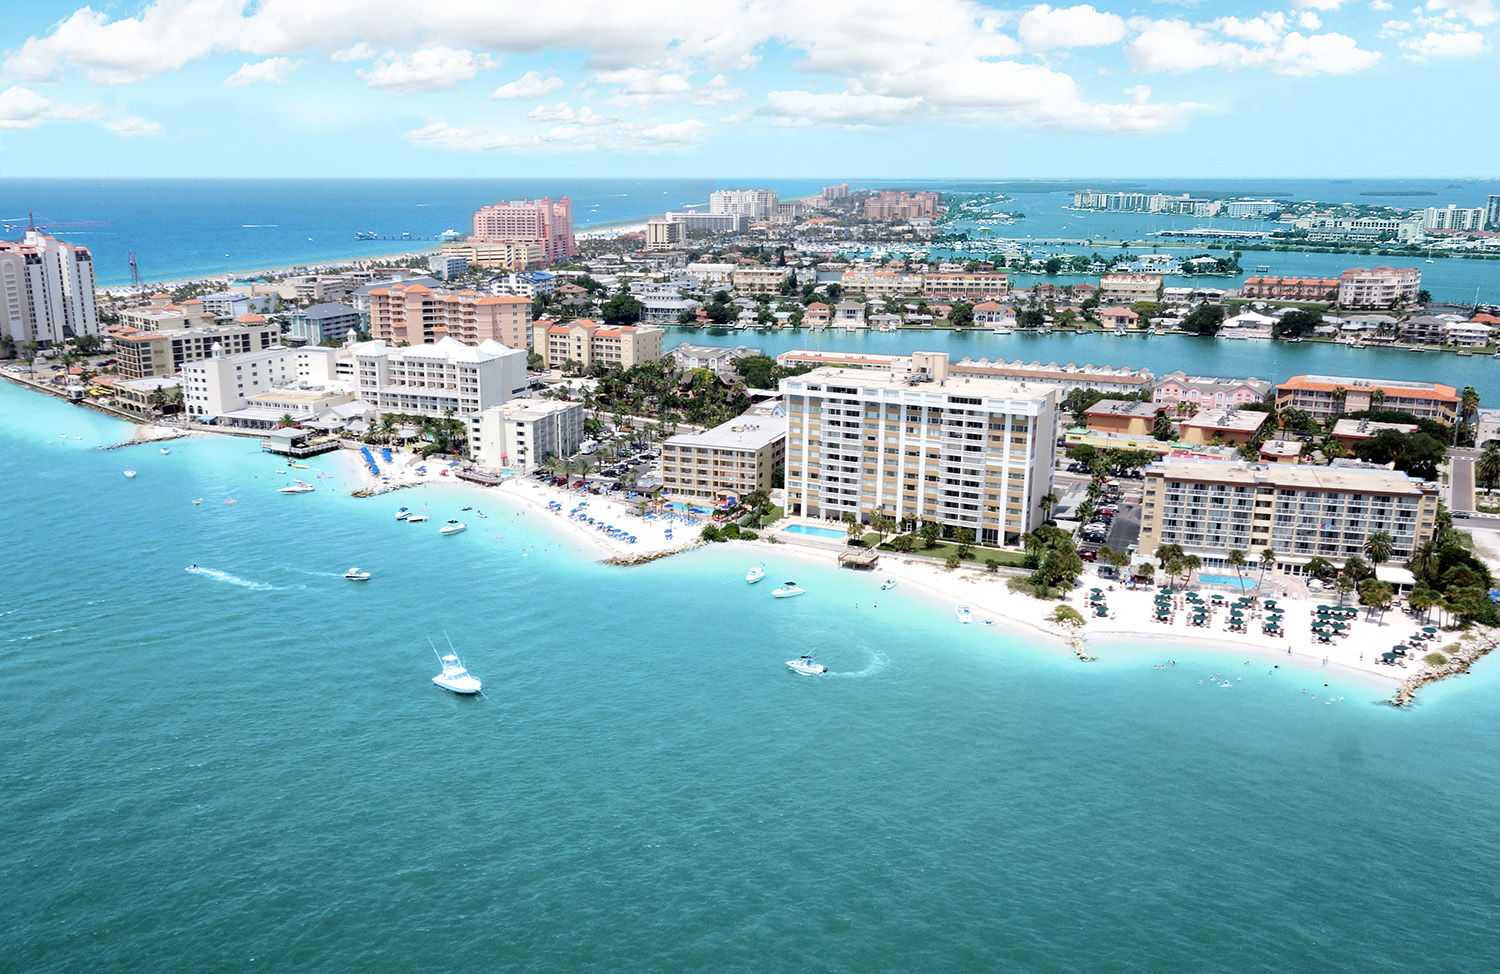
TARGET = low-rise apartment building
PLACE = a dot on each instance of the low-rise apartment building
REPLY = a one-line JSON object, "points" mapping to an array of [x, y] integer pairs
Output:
{"points": [[1203, 392], [966, 286], [1102, 378], [420, 315], [221, 385], [150, 353], [1123, 416], [923, 444], [1230, 426], [1301, 512], [1290, 288], [520, 434], [760, 279], [329, 321], [1354, 431], [509, 256], [1129, 288], [874, 283], [728, 461], [1380, 287], [1325, 396], [586, 342]]}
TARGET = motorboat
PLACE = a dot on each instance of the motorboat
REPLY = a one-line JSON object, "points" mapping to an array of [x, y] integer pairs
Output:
{"points": [[129, 473], [965, 615], [887, 585], [165, 451], [403, 514], [987, 622], [355, 575], [454, 677], [416, 518], [755, 574], [806, 665], [453, 527], [786, 591], [298, 488]]}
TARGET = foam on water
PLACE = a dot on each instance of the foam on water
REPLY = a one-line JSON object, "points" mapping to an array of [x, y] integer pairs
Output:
{"points": [[220, 576]]}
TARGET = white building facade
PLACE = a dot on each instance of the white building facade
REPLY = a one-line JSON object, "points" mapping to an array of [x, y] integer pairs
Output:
{"points": [[46, 290], [522, 433], [432, 380]]}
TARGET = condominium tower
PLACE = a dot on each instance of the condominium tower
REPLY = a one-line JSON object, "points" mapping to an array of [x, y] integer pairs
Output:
{"points": [[545, 222], [757, 204], [964, 452], [46, 290]]}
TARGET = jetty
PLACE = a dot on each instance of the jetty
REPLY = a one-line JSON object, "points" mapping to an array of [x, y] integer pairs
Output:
{"points": [[1458, 664]]}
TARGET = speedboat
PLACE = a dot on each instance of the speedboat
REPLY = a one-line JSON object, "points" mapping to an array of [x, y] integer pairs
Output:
{"points": [[298, 488], [453, 527], [454, 677], [787, 590], [755, 574], [403, 514], [129, 473], [806, 665], [415, 518], [165, 451], [355, 575], [965, 616], [888, 584]]}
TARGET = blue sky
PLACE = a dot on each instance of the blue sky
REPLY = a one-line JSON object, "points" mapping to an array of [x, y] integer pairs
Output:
{"points": [[725, 88]]}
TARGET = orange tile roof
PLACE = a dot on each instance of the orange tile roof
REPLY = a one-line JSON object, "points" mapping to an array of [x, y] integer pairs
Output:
{"points": [[1302, 383]]}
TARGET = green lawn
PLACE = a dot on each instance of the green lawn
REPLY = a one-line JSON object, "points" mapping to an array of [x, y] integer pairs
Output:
{"points": [[978, 556]]}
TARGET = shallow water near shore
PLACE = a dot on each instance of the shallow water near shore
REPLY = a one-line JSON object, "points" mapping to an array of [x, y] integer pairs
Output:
{"points": [[247, 768]]}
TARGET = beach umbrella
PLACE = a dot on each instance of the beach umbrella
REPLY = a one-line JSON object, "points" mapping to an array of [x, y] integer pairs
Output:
{"points": [[1430, 630]]}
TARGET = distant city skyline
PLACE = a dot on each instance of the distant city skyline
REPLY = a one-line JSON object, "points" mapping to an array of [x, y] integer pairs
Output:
{"points": [[736, 88]]}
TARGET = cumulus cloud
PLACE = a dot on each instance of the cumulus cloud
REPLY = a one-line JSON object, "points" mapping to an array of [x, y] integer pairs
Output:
{"points": [[22, 108], [669, 134], [1457, 42], [1177, 46], [529, 85], [563, 112], [131, 127], [272, 69], [1043, 28], [164, 36], [1481, 13], [845, 108], [1317, 4], [430, 69], [1380, 6]]}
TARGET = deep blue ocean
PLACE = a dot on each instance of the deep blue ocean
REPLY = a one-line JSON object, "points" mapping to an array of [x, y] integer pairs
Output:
{"points": [[247, 768], [184, 228]]}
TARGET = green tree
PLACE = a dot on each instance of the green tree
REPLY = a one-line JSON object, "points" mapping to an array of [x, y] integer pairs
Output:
{"points": [[1267, 562], [1049, 501], [1378, 547], [1375, 594], [930, 531], [1487, 467], [1204, 320], [1162, 429], [1237, 561]]}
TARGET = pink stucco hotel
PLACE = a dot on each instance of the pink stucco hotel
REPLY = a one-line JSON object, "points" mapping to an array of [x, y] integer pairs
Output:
{"points": [[543, 222]]}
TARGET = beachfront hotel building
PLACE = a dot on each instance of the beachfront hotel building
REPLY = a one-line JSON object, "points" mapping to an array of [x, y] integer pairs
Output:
{"points": [[1325, 396], [509, 256], [441, 379], [218, 388], [520, 434], [586, 342], [1382, 287], [921, 443], [46, 290], [874, 283], [664, 234], [143, 354], [417, 314], [730, 460], [900, 205], [757, 205], [1211, 507], [544, 223]]}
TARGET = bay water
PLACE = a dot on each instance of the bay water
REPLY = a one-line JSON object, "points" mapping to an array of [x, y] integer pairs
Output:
{"points": [[246, 767]]}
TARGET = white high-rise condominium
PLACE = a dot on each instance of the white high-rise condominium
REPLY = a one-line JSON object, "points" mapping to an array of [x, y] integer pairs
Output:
{"points": [[757, 204], [46, 290]]}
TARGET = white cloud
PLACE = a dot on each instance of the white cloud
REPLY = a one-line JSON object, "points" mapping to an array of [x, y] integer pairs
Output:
{"points": [[563, 112], [1457, 42], [430, 69], [1317, 4], [272, 69], [1380, 6], [131, 127], [1394, 28], [844, 108], [22, 108], [1043, 28], [1308, 20], [1177, 46], [1481, 13], [529, 85], [164, 36], [355, 52], [668, 134]]}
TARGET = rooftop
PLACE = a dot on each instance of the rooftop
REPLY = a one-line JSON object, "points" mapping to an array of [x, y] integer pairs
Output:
{"points": [[741, 433], [1327, 383], [1231, 420], [1124, 407], [1363, 429], [880, 380], [1349, 480]]}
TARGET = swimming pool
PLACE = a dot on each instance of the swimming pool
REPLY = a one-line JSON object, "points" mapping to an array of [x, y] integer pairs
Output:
{"points": [[815, 532], [1244, 584]]}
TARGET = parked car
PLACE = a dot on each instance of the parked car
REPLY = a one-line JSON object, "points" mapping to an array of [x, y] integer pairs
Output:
{"points": [[1088, 554]]}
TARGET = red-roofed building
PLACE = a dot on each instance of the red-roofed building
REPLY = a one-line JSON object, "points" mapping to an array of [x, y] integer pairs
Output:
{"points": [[415, 313], [1291, 288], [586, 342]]}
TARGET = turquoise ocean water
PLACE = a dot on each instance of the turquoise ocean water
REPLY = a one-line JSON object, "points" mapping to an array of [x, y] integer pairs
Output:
{"points": [[250, 770], [181, 228]]}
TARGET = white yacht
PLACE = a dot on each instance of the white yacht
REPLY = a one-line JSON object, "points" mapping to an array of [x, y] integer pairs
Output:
{"points": [[755, 574], [355, 575], [787, 590], [454, 677], [165, 451], [806, 665], [403, 514], [965, 615], [453, 527], [129, 473], [888, 584], [415, 518], [298, 488]]}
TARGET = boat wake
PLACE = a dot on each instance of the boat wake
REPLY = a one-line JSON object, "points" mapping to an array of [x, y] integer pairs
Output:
{"points": [[878, 662], [219, 576]]}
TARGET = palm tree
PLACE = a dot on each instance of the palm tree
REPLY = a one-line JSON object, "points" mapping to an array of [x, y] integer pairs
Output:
{"points": [[1049, 501], [1378, 547], [1468, 401], [1487, 467], [1236, 561], [1424, 560], [1422, 599], [1267, 562]]}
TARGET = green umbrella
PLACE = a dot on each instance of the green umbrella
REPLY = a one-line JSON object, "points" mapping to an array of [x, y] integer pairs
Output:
{"points": [[1432, 630], [1341, 625]]}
